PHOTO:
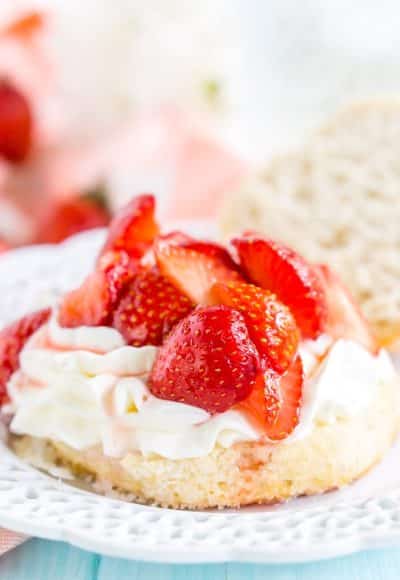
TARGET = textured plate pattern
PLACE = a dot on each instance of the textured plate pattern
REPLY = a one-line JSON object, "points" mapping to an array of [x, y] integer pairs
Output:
{"points": [[365, 515]]}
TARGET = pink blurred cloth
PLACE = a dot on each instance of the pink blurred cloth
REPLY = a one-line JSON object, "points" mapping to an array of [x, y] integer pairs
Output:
{"points": [[164, 150], [9, 540]]}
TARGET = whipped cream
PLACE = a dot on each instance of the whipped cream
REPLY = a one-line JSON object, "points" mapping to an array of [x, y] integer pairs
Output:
{"points": [[343, 384], [84, 386], [94, 338]]}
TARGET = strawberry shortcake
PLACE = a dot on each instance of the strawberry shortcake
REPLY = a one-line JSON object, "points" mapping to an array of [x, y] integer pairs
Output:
{"points": [[192, 375]]}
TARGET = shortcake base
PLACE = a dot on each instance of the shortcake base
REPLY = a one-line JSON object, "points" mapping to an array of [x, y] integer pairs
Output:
{"points": [[331, 456]]}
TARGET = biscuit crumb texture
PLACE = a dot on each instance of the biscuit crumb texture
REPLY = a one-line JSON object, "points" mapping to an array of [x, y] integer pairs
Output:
{"points": [[338, 201]]}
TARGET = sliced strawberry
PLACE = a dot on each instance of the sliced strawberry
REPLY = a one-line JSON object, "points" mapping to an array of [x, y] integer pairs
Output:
{"points": [[194, 266], [263, 404], [12, 340], [15, 124], [119, 268], [88, 305], [207, 361], [68, 217], [274, 404], [290, 388], [93, 302], [285, 273], [270, 323], [175, 238], [149, 309], [134, 228], [345, 319]]}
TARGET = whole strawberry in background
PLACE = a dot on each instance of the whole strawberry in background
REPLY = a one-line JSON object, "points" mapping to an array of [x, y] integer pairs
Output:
{"points": [[16, 123], [65, 217], [3, 246]]}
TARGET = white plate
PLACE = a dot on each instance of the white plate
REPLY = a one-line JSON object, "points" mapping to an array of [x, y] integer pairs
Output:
{"points": [[364, 515]]}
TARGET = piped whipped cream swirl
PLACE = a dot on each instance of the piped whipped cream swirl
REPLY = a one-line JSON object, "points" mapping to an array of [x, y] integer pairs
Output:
{"points": [[84, 386]]}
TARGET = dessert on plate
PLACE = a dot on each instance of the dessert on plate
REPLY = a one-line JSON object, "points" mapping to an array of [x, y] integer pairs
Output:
{"points": [[344, 184], [192, 375]]}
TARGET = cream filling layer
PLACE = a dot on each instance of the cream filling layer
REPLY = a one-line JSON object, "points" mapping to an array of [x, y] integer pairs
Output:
{"points": [[85, 386]]}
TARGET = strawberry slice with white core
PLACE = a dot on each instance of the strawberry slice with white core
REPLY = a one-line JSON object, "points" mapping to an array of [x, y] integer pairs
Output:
{"points": [[93, 302], [284, 272], [134, 227], [194, 266], [274, 404], [319, 301], [345, 319], [88, 305], [270, 323]]}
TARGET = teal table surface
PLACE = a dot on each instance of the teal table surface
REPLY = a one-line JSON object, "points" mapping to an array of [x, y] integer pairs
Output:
{"points": [[43, 560]]}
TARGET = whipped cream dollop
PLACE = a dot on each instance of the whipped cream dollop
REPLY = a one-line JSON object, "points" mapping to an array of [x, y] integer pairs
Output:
{"points": [[84, 386], [341, 384]]}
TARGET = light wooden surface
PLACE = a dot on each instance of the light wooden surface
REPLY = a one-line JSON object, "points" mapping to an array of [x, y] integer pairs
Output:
{"points": [[43, 560]]}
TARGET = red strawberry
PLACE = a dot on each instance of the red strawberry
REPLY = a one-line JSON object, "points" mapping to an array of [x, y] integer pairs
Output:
{"points": [[285, 273], [134, 228], [270, 323], [4, 247], [68, 217], [15, 124], [88, 305], [194, 266], [12, 340], [149, 309], [345, 319], [208, 361], [119, 268], [93, 302], [175, 238], [274, 404]]}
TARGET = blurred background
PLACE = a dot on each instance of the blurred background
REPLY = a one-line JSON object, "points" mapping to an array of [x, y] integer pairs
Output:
{"points": [[101, 100]]}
